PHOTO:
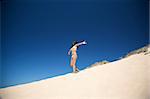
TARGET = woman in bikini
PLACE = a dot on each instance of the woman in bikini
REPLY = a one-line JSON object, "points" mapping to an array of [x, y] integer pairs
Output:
{"points": [[74, 56]]}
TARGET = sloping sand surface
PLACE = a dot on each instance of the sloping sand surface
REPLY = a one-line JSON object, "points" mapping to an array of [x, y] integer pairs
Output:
{"points": [[127, 78]]}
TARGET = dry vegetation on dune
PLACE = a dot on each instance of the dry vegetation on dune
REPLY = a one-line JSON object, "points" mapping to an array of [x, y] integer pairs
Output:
{"points": [[138, 51]]}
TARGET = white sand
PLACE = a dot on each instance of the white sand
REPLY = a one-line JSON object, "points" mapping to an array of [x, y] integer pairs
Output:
{"points": [[122, 79]]}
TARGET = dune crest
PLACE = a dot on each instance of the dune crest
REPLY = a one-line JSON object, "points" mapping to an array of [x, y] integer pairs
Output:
{"points": [[127, 78]]}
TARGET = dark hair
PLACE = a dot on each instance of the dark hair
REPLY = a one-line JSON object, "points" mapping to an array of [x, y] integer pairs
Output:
{"points": [[74, 43]]}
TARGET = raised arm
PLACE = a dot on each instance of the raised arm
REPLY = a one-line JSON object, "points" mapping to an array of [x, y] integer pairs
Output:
{"points": [[81, 43]]}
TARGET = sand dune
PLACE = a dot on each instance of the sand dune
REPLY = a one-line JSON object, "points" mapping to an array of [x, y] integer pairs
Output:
{"points": [[123, 79]]}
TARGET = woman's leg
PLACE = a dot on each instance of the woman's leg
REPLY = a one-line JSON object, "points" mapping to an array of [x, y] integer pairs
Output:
{"points": [[73, 62]]}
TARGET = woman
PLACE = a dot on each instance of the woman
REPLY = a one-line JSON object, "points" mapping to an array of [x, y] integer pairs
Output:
{"points": [[74, 56]]}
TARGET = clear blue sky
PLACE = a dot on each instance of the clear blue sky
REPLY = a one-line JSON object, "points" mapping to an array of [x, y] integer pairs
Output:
{"points": [[36, 35]]}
